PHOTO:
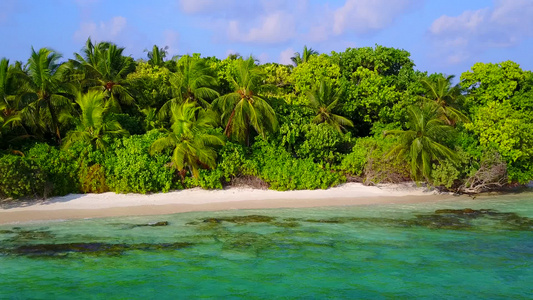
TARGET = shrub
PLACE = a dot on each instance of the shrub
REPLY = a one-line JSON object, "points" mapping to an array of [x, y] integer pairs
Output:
{"points": [[322, 143], [129, 168], [92, 179], [369, 159], [60, 168], [20, 177], [277, 167]]}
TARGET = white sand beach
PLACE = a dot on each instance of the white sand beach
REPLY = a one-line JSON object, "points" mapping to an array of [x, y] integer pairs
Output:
{"points": [[77, 206]]}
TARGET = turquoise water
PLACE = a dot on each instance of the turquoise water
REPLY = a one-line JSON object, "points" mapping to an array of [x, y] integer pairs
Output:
{"points": [[431, 250]]}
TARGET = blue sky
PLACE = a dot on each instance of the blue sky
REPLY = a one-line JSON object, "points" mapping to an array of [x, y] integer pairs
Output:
{"points": [[446, 36]]}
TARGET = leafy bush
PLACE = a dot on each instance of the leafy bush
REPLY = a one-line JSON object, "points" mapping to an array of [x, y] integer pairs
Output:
{"points": [[92, 179], [232, 161], [130, 168], [277, 167], [322, 143], [20, 177], [134, 125], [369, 158], [232, 164], [208, 179], [354, 163], [60, 168]]}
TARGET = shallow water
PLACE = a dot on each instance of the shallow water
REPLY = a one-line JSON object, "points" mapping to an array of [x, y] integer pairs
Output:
{"points": [[377, 251]]}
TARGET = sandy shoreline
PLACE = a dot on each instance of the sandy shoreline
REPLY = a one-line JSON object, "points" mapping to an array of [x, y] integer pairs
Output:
{"points": [[79, 206]]}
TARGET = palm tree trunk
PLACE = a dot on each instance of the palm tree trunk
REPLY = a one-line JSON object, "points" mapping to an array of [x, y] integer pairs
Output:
{"points": [[54, 121], [228, 126]]}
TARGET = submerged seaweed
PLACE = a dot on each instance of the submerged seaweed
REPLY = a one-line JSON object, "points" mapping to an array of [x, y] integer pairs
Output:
{"points": [[23, 236], [151, 224], [39, 242], [451, 219], [105, 249], [241, 219]]}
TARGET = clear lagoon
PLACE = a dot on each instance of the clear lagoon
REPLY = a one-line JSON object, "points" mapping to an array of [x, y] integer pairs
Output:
{"points": [[480, 248]]}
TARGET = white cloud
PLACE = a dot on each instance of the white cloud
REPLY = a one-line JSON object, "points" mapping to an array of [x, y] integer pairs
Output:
{"points": [[276, 27], [473, 32], [285, 56], [102, 31], [366, 16]]}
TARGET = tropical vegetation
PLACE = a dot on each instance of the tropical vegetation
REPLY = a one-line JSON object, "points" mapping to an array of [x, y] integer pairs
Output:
{"points": [[103, 121]]}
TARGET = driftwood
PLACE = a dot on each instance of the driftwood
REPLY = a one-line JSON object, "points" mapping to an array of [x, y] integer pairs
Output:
{"points": [[249, 181], [492, 174]]}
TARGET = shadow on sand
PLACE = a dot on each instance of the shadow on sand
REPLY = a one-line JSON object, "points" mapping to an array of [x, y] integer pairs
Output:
{"points": [[26, 202]]}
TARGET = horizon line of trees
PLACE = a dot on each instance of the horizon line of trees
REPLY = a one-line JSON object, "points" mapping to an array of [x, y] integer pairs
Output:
{"points": [[95, 122]]}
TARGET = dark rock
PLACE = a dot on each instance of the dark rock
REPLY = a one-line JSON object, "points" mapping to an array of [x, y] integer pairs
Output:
{"points": [[328, 221], [157, 224], [53, 250], [241, 219]]}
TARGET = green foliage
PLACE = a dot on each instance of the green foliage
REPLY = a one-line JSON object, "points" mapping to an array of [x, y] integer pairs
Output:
{"points": [[279, 76], [192, 83], [45, 91], [106, 69], [509, 132], [191, 138], [277, 167], [94, 123], [447, 97], [232, 161], [384, 60], [322, 144], [487, 82], [157, 56], [92, 179], [313, 104], [131, 124], [245, 107], [152, 84], [59, 168], [20, 177], [422, 142], [131, 169], [451, 174], [318, 68], [207, 179], [370, 97], [324, 100], [369, 160], [299, 59]]}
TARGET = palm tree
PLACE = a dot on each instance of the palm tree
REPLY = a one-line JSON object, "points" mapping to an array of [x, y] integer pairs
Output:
{"points": [[189, 137], [46, 91], [93, 124], [234, 56], [105, 69], [192, 83], [156, 57], [323, 100], [244, 107], [8, 91], [5, 121], [298, 59], [445, 97], [422, 141]]}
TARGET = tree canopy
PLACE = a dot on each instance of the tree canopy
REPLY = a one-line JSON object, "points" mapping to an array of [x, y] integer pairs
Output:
{"points": [[105, 121]]}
